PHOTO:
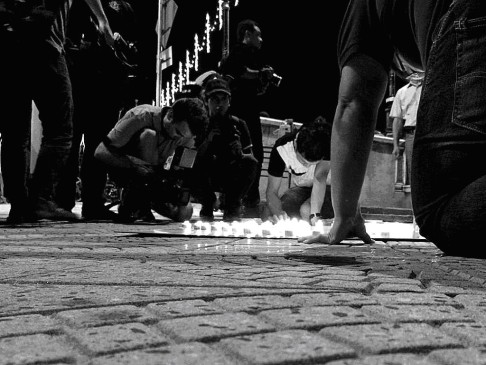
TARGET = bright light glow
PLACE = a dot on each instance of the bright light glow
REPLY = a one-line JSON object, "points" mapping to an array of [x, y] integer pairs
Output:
{"points": [[289, 228], [208, 34], [220, 14], [293, 228]]}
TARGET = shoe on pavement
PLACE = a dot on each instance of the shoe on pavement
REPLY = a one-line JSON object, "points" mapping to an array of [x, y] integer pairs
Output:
{"points": [[99, 213], [51, 211]]}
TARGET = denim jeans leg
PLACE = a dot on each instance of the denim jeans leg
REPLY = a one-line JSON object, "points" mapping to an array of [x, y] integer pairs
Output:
{"points": [[448, 169], [53, 98]]}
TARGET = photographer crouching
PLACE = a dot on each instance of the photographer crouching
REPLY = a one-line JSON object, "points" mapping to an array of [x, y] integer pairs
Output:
{"points": [[148, 153], [225, 160]]}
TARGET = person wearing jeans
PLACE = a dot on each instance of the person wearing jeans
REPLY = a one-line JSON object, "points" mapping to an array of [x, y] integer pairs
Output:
{"points": [[447, 40]]}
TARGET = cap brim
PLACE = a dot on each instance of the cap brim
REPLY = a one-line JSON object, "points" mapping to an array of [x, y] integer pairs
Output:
{"points": [[224, 91]]}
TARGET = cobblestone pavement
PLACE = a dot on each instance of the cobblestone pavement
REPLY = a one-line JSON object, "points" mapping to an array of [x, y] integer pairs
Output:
{"points": [[102, 294]]}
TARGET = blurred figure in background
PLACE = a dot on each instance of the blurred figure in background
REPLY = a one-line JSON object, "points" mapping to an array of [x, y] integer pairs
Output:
{"points": [[404, 114]]}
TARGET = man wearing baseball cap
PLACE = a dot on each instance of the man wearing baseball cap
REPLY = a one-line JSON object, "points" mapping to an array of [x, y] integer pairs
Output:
{"points": [[225, 160]]}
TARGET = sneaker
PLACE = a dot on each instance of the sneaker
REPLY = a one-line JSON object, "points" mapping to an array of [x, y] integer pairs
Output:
{"points": [[206, 213], [49, 210], [99, 213]]}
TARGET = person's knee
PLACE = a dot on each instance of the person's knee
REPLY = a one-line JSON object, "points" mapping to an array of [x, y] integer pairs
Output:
{"points": [[148, 136], [147, 145], [290, 205], [305, 210]]}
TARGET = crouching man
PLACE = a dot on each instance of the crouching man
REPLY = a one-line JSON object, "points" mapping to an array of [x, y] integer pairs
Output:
{"points": [[225, 159], [305, 153], [141, 152]]}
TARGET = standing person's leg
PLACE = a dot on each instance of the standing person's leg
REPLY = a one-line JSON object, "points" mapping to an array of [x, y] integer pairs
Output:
{"points": [[67, 184], [15, 125], [252, 198], [15, 130], [409, 137], [53, 98], [103, 116], [448, 169]]}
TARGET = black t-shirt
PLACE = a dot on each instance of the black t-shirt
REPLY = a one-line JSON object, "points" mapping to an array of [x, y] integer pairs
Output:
{"points": [[384, 28], [244, 92], [276, 165]]}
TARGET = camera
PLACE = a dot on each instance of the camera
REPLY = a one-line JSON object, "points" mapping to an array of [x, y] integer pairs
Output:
{"points": [[170, 183], [269, 77], [275, 80]]}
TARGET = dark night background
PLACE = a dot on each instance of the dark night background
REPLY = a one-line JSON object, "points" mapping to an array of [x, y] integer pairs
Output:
{"points": [[299, 42]]}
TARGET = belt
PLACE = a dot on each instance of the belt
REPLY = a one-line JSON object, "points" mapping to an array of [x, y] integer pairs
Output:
{"points": [[409, 129]]}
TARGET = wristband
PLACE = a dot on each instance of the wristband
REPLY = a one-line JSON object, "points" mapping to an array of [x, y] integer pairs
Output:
{"points": [[315, 215]]}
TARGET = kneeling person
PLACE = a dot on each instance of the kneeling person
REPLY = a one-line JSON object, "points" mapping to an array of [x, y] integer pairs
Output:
{"points": [[141, 146], [305, 153]]}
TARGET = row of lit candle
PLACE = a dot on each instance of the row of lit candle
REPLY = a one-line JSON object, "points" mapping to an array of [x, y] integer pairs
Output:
{"points": [[291, 228]]}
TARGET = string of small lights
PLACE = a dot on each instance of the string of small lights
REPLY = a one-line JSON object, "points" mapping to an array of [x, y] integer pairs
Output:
{"points": [[202, 43]]}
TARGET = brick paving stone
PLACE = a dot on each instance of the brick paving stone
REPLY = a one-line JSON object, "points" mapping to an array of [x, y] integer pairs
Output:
{"points": [[398, 288], [447, 289], [286, 347], [292, 273], [108, 339], [39, 348], [458, 356], [316, 317], [326, 299], [385, 338], [204, 328], [357, 286], [339, 277], [331, 271], [104, 316], [417, 313], [193, 353], [478, 313], [287, 280], [473, 334], [255, 303], [394, 280], [183, 308], [393, 359], [414, 299], [471, 300], [28, 324]]}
